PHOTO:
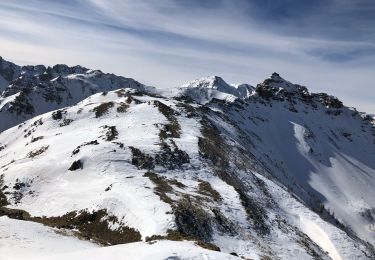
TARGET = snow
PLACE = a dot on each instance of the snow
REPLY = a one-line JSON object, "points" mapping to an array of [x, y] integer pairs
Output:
{"points": [[56, 191], [205, 89], [60, 191], [317, 234], [308, 152], [5, 101], [348, 187], [27, 240], [23, 239], [299, 134], [328, 237], [160, 250]]}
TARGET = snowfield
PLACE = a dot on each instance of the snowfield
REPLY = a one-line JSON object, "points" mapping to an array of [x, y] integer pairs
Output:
{"points": [[24, 239], [21, 240], [159, 250]]}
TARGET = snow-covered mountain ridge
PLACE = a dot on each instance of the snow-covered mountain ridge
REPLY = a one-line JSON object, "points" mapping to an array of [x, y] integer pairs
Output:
{"points": [[29, 91], [265, 172]]}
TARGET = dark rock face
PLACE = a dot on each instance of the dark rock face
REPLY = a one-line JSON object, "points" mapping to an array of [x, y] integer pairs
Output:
{"points": [[266, 92], [57, 115], [171, 158], [141, 160], [193, 221], [214, 149], [8, 70], [21, 105], [329, 101], [76, 165], [3, 198], [111, 133]]}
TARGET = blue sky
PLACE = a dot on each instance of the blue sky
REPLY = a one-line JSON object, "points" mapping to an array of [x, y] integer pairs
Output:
{"points": [[327, 45]]}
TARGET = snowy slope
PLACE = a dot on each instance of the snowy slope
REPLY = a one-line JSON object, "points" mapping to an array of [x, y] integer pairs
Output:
{"points": [[23, 239], [27, 240], [322, 151], [137, 166], [271, 171], [159, 250]]}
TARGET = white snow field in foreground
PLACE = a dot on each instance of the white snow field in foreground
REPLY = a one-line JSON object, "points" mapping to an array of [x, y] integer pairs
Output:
{"points": [[27, 240], [160, 250], [24, 239]]}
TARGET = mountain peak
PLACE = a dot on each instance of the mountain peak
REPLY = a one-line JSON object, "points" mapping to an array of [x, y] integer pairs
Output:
{"points": [[204, 89], [65, 69], [207, 82], [276, 78], [277, 81], [275, 75]]}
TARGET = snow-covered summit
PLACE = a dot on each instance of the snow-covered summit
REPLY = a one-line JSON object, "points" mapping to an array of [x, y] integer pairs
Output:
{"points": [[275, 88], [205, 89]]}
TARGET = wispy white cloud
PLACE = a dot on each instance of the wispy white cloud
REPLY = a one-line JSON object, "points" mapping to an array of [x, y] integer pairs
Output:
{"points": [[166, 43]]}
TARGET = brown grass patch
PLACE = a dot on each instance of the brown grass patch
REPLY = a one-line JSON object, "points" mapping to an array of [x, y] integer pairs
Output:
{"points": [[206, 189], [102, 109], [122, 107], [37, 152]]}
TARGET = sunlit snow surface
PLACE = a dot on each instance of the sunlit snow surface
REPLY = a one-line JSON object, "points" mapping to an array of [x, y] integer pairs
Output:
{"points": [[160, 250], [23, 239]]}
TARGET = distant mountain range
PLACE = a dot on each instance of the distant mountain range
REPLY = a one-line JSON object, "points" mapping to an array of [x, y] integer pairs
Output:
{"points": [[256, 172]]}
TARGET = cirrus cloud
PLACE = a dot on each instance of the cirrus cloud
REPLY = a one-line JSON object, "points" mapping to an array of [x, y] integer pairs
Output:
{"points": [[328, 45]]}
